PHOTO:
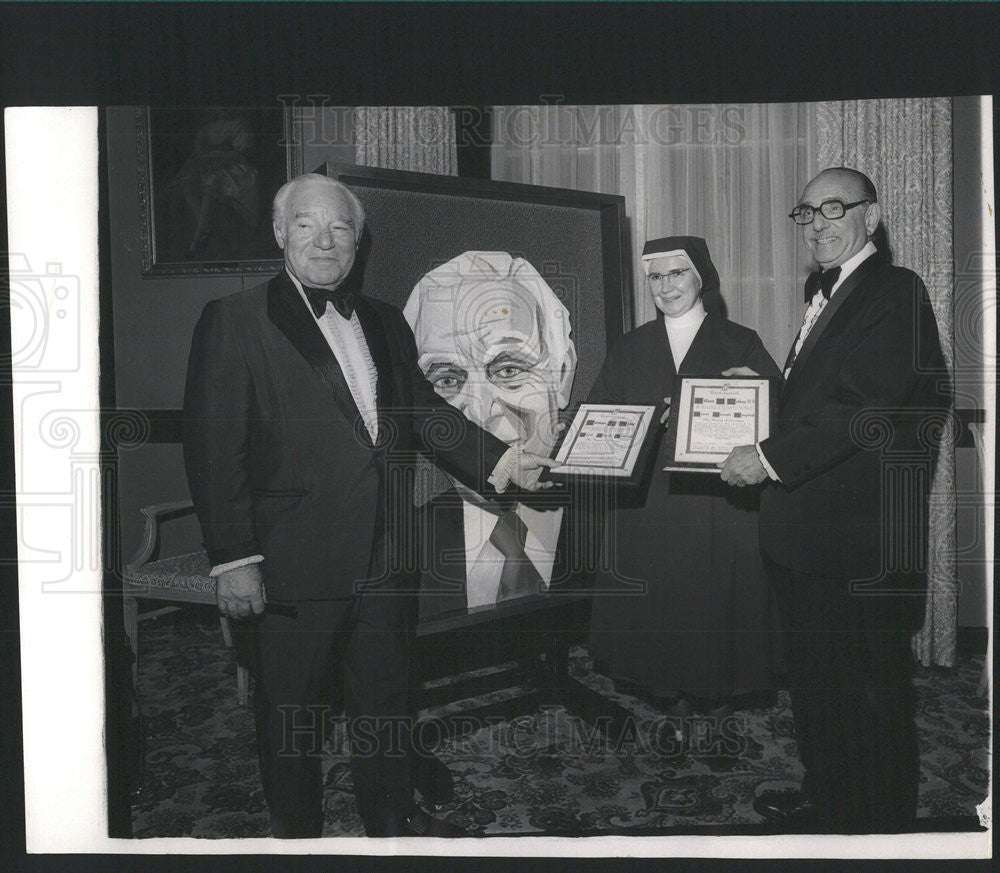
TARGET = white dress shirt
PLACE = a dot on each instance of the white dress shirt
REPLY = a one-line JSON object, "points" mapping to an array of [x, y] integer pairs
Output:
{"points": [[347, 341]]}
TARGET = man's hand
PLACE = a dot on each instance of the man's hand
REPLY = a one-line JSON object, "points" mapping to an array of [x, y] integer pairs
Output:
{"points": [[743, 466], [240, 592], [525, 472], [740, 371]]}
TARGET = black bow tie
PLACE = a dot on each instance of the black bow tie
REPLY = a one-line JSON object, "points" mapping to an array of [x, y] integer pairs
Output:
{"points": [[343, 301], [824, 281]]}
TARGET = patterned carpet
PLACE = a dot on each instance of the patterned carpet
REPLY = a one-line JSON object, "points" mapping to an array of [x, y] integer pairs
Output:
{"points": [[543, 773]]}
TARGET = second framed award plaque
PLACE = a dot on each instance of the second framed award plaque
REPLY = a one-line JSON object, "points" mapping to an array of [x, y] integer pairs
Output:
{"points": [[709, 417]]}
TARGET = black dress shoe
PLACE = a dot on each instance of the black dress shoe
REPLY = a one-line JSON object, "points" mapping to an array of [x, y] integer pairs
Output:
{"points": [[420, 824], [787, 806], [432, 779]]}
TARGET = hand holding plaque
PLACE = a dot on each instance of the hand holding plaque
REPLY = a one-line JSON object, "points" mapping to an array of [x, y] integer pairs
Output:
{"points": [[712, 416]]}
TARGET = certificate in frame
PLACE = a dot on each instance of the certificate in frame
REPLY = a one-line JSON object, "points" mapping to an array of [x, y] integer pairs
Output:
{"points": [[607, 440], [206, 176], [710, 416]]}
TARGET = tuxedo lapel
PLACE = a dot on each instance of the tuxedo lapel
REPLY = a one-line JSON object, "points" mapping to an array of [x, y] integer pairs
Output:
{"points": [[289, 314], [865, 269]]}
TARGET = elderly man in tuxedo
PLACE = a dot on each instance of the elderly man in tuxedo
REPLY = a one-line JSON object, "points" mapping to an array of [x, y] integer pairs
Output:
{"points": [[494, 341], [302, 396], [864, 382]]}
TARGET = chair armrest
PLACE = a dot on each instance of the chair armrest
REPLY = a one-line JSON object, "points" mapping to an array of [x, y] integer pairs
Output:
{"points": [[156, 513]]}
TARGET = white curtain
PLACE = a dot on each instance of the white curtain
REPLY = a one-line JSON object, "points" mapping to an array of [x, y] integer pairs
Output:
{"points": [[727, 172], [731, 173], [418, 138], [905, 147]]}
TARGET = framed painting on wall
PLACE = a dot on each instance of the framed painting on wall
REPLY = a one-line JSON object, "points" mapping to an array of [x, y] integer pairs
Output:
{"points": [[206, 178]]}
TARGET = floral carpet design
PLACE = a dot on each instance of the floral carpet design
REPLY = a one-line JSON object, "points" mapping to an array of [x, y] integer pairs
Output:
{"points": [[546, 772]]}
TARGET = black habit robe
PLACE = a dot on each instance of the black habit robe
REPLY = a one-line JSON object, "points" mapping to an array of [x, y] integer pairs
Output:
{"points": [[682, 604]]}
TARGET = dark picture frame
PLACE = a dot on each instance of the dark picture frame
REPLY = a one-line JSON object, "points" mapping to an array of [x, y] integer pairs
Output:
{"points": [[206, 179], [577, 240]]}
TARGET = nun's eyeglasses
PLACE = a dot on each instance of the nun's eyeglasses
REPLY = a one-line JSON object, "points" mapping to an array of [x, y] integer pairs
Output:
{"points": [[669, 276], [829, 209]]}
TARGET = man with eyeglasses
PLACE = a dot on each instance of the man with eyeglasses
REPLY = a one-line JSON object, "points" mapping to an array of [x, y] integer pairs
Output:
{"points": [[865, 385]]}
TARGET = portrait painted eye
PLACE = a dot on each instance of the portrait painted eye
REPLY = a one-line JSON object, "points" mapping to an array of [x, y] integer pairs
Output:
{"points": [[447, 379], [510, 371]]}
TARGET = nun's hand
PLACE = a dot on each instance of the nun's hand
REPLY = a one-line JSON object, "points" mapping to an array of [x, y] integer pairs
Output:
{"points": [[740, 371]]}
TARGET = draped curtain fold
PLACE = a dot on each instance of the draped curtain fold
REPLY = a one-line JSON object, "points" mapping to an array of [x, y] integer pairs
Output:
{"points": [[905, 147], [418, 138], [731, 173]]}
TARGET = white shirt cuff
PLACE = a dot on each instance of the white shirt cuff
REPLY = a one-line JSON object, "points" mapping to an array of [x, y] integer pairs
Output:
{"points": [[503, 472], [219, 569], [767, 466]]}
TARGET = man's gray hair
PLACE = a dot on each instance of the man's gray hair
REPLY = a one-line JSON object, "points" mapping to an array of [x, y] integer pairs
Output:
{"points": [[286, 190]]}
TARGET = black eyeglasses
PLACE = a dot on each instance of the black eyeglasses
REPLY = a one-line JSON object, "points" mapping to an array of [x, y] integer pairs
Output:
{"points": [[829, 209]]}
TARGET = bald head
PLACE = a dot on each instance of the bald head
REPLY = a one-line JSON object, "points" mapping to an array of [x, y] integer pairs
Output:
{"points": [[858, 183], [832, 241], [494, 341]]}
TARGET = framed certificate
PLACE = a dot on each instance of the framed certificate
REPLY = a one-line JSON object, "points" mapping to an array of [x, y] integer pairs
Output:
{"points": [[606, 440], [709, 417]]}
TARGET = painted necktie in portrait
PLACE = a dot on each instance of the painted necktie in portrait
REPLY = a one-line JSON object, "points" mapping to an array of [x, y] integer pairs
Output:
{"points": [[494, 341]]}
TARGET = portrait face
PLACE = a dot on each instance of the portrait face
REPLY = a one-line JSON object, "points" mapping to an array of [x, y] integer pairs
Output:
{"points": [[833, 241], [485, 355], [674, 284], [316, 232]]}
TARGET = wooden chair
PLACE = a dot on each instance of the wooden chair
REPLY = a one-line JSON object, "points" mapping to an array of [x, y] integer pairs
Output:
{"points": [[177, 579]]}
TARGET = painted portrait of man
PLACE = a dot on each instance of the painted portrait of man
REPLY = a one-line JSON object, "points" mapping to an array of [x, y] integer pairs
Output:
{"points": [[494, 341]]}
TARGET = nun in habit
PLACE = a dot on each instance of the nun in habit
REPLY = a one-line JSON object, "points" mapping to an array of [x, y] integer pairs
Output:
{"points": [[697, 630]]}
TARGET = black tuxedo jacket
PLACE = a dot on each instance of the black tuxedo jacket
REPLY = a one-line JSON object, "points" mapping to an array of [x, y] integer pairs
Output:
{"points": [[863, 400], [279, 461]]}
